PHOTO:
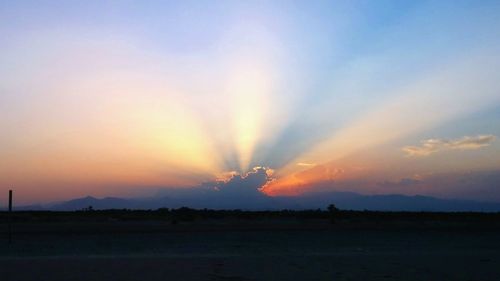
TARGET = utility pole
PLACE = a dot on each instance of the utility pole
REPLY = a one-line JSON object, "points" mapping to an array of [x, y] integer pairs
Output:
{"points": [[10, 217]]}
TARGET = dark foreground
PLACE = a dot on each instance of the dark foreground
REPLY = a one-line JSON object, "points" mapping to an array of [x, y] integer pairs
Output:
{"points": [[363, 247]]}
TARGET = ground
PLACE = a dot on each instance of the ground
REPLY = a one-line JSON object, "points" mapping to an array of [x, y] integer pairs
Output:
{"points": [[250, 250]]}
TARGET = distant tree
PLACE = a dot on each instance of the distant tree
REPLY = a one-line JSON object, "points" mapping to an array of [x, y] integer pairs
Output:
{"points": [[88, 209], [183, 214], [333, 212], [163, 210], [332, 208]]}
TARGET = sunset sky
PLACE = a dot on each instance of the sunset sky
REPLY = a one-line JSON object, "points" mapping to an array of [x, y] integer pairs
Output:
{"points": [[125, 98]]}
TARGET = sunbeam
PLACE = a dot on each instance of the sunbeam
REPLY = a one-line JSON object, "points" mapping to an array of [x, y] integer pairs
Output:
{"points": [[91, 100]]}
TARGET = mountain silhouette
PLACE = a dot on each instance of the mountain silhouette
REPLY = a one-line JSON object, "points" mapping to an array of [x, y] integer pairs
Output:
{"points": [[343, 200]]}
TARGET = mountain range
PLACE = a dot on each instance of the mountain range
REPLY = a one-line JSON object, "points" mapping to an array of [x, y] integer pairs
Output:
{"points": [[343, 200]]}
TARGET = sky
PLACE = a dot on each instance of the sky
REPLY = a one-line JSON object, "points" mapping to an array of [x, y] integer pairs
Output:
{"points": [[128, 98]]}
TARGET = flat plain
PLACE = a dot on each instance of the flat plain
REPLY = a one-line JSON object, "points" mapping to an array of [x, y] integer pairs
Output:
{"points": [[397, 247]]}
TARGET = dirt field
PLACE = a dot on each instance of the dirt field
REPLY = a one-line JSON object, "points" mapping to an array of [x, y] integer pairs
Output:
{"points": [[297, 250]]}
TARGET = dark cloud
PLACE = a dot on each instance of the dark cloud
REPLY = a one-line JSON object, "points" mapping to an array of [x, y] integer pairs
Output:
{"points": [[249, 184], [237, 192]]}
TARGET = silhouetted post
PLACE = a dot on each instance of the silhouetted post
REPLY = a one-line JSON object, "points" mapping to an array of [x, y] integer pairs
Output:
{"points": [[10, 217]]}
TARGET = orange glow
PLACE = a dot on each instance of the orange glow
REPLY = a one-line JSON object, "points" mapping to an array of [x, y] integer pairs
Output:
{"points": [[299, 182]]}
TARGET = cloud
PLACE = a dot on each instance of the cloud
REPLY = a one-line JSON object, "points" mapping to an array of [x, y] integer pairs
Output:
{"points": [[303, 164], [244, 185], [401, 183], [435, 145], [230, 183], [231, 190]]}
